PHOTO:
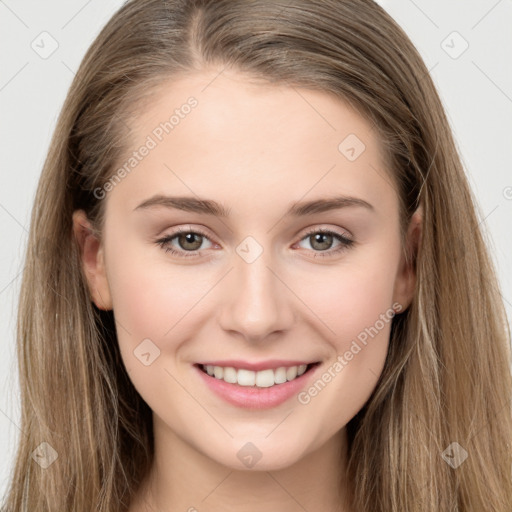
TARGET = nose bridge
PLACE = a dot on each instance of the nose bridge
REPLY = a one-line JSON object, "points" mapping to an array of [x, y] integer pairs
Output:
{"points": [[257, 303]]}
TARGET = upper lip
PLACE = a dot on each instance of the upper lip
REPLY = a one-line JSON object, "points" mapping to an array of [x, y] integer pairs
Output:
{"points": [[271, 364]]}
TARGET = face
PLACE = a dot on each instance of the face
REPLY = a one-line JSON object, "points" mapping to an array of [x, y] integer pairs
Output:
{"points": [[265, 276]]}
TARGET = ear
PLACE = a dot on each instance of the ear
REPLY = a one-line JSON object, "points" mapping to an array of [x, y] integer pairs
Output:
{"points": [[405, 282], [93, 261]]}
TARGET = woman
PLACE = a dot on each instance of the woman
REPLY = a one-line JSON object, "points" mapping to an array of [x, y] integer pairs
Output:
{"points": [[333, 339]]}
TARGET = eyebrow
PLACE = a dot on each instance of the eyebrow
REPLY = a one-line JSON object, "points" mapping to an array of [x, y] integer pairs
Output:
{"points": [[209, 207]]}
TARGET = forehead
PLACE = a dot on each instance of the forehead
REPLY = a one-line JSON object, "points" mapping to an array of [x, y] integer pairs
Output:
{"points": [[221, 133]]}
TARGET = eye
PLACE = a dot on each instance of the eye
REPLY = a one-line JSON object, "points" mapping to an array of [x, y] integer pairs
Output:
{"points": [[321, 240], [189, 242]]}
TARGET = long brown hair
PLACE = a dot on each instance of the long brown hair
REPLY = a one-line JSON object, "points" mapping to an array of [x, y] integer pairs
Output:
{"points": [[447, 376]]}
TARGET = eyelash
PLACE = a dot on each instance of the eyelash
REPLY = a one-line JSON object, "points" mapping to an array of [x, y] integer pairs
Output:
{"points": [[345, 242]]}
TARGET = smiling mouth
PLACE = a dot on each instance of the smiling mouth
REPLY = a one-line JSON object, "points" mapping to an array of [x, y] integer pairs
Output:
{"points": [[257, 379]]}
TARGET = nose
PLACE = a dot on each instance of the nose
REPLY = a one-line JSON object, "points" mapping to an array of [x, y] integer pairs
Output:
{"points": [[257, 301]]}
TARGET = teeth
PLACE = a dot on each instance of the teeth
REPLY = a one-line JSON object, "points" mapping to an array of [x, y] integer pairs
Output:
{"points": [[291, 373], [261, 379]]}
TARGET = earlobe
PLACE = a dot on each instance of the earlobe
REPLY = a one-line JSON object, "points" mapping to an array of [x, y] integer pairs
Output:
{"points": [[405, 283], [92, 259]]}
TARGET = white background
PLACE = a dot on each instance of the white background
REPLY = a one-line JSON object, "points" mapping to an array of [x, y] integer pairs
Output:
{"points": [[476, 89]]}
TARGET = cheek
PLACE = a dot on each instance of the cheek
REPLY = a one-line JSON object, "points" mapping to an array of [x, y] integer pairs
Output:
{"points": [[351, 297], [154, 311], [353, 307], [150, 300]]}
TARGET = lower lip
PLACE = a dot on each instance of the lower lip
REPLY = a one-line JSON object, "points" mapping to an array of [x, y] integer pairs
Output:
{"points": [[249, 397]]}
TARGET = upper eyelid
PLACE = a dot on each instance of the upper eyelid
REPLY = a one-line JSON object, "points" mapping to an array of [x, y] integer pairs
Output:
{"points": [[346, 234]]}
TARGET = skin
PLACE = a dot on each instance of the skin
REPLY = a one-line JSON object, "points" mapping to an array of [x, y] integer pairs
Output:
{"points": [[256, 148]]}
